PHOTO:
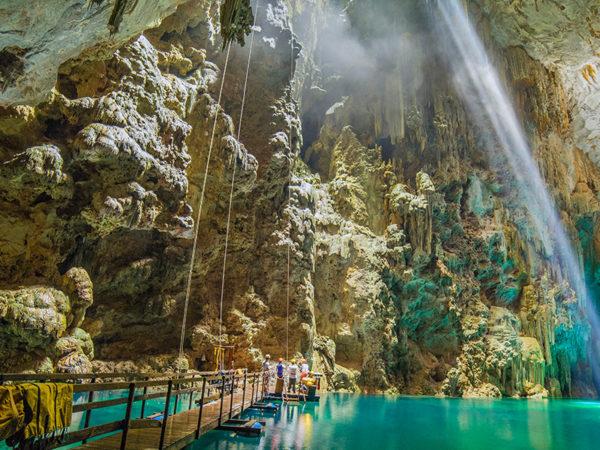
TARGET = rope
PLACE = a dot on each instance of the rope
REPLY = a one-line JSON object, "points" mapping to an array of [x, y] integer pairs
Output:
{"points": [[203, 190], [289, 246], [239, 131]]}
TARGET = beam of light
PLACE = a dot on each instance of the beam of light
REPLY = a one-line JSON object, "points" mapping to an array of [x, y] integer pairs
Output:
{"points": [[478, 83]]}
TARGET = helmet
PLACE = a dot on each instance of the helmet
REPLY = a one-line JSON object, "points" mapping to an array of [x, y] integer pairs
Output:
{"points": [[280, 359], [267, 356]]}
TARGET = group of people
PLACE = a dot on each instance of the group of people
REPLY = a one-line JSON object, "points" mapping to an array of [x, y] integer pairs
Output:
{"points": [[296, 371]]}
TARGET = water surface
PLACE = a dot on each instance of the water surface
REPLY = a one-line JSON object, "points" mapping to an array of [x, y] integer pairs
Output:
{"points": [[345, 421]]}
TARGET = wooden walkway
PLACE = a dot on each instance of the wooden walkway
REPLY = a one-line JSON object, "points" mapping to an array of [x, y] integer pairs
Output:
{"points": [[223, 396], [181, 428]]}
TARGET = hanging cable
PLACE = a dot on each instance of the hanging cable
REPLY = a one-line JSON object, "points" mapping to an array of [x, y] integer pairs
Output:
{"points": [[201, 204], [289, 246], [233, 173]]}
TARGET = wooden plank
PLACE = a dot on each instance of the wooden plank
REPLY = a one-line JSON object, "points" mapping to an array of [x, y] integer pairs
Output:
{"points": [[179, 431], [88, 376], [144, 423], [99, 430], [119, 401], [100, 387]]}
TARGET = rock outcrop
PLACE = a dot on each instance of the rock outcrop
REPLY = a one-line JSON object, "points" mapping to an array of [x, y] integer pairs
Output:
{"points": [[40, 326]]}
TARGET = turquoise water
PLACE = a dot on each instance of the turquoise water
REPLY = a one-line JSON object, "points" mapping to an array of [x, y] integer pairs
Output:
{"points": [[343, 421]]}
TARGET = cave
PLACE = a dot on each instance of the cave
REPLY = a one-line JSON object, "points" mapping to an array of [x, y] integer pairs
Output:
{"points": [[387, 206]]}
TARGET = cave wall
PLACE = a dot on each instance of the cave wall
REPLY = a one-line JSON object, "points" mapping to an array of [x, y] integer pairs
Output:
{"points": [[414, 266]]}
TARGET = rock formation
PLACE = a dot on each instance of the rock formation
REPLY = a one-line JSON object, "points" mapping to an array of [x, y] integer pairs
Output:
{"points": [[414, 266]]}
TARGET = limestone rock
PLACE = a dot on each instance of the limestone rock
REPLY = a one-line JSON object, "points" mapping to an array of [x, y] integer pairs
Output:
{"points": [[34, 174], [35, 316], [32, 54], [79, 288]]}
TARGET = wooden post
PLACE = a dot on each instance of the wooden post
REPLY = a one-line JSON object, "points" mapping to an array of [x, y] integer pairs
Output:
{"points": [[257, 381], [199, 427], [165, 415], [231, 395], [257, 378], [252, 395], [127, 415], [222, 396], [192, 393], [142, 412], [88, 413], [177, 386], [244, 388]]}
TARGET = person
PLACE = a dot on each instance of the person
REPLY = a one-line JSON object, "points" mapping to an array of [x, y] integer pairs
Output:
{"points": [[266, 367], [280, 368], [304, 369], [308, 385], [292, 376]]}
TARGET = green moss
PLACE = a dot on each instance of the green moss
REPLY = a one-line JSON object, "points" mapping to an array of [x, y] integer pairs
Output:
{"points": [[236, 21], [427, 319], [508, 294], [457, 264]]}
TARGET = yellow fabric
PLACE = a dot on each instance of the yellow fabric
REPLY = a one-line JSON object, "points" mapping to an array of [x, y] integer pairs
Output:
{"points": [[219, 358], [51, 405], [12, 415], [309, 381], [46, 408]]}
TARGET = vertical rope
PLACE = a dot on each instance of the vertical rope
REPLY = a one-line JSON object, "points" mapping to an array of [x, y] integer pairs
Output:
{"points": [[239, 131], [289, 246], [202, 192]]}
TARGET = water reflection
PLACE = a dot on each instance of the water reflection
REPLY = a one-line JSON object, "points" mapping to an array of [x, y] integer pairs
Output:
{"points": [[343, 421]]}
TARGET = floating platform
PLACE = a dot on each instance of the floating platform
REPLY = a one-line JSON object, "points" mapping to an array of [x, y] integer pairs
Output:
{"points": [[293, 397], [249, 427], [265, 406]]}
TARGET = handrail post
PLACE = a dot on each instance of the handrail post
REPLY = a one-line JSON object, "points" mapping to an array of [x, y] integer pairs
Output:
{"points": [[165, 415], [231, 395], [192, 392], [88, 413], [199, 427], [127, 415], [222, 396], [244, 388], [145, 391], [177, 387], [257, 381], [257, 385]]}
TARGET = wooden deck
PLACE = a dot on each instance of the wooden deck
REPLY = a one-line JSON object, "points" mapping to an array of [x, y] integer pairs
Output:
{"points": [[181, 427], [221, 395]]}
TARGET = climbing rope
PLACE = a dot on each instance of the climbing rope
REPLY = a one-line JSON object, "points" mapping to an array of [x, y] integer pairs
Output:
{"points": [[201, 204], [289, 246], [233, 173]]}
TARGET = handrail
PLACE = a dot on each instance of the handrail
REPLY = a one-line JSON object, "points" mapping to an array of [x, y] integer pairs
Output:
{"points": [[100, 375], [221, 383]]}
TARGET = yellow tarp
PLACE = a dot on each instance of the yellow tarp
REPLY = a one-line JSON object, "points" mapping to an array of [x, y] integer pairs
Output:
{"points": [[34, 409], [12, 414]]}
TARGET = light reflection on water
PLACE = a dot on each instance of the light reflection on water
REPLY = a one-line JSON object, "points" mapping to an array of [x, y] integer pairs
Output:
{"points": [[344, 421]]}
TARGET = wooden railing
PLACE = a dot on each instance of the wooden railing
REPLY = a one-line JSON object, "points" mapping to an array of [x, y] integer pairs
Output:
{"points": [[211, 386]]}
